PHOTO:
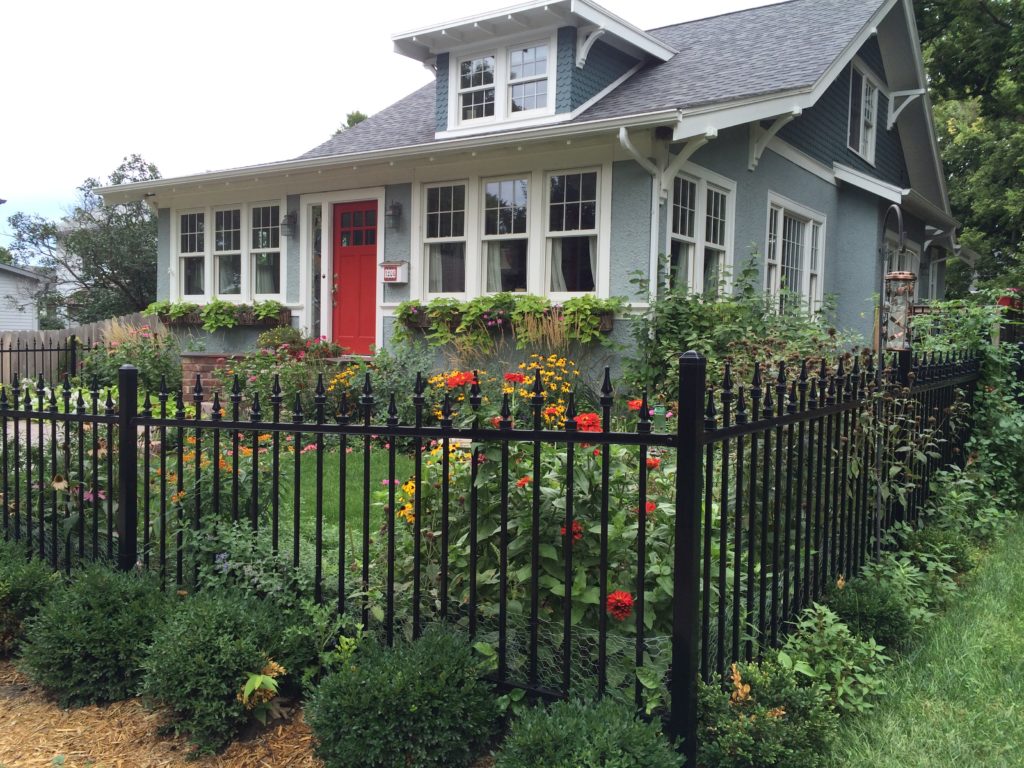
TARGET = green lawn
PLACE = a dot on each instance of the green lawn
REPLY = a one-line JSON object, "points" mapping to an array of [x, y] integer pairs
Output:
{"points": [[959, 700]]}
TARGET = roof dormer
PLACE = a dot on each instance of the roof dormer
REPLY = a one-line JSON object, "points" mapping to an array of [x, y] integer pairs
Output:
{"points": [[534, 64]]}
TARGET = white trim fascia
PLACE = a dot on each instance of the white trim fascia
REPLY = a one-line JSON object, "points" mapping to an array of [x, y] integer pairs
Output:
{"points": [[128, 192], [802, 160], [586, 11], [921, 206], [868, 183]]}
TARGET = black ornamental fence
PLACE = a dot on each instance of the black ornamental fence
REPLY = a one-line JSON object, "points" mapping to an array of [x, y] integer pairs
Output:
{"points": [[612, 555]]}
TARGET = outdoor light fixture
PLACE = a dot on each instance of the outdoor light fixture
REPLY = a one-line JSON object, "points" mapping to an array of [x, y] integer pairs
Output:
{"points": [[393, 217], [288, 224]]}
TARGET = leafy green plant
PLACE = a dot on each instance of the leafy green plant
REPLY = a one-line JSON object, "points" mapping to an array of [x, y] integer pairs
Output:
{"points": [[219, 314], [573, 734], [947, 545], [267, 310], [845, 669], [765, 718], [24, 587], [583, 316], [200, 661], [157, 356], [417, 705], [320, 641], [282, 334], [87, 642], [872, 608], [172, 309]]}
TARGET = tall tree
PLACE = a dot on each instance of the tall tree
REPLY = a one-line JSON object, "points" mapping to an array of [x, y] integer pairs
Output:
{"points": [[103, 257], [975, 56], [352, 118]]}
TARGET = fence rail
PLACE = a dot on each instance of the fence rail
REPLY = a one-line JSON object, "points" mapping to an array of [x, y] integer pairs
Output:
{"points": [[604, 556]]}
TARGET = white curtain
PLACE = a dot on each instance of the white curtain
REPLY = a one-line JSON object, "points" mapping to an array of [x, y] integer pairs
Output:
{"points": [[592, 244], [557, 276], [436, 269], [493, 266]]}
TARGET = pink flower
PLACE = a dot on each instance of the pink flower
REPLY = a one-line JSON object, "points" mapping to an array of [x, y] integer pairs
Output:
{"points": [[89, 496]]}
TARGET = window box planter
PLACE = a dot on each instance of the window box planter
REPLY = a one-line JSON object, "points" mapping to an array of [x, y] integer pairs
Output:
{"points": [[606, 321], [189, 318], [248, 317]]}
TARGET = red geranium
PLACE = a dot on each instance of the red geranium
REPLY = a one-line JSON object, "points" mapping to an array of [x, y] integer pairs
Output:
{"points": [[588, 422], [577, 531], [460, 379], [620, 605], [649, 509], [653, 463], [515, 378], [522, 482], [635, 405]]}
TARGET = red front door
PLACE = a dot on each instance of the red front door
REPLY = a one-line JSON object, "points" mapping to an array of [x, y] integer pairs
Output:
{"points": [[355, 276]]}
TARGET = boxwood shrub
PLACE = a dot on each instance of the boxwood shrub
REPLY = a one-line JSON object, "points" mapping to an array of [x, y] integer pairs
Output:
{"points": [[24, 586], [763, 718], [201, 657], [87, 642], [571, 734], [417, 705], [872, 608]]}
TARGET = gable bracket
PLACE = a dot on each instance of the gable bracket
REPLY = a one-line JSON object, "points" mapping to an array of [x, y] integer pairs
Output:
{"points": [[669, 173], [584, 44], [759, 137], [894, 111]]}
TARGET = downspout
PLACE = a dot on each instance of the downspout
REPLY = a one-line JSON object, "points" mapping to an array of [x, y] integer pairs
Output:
{"points": [[652, 169]]}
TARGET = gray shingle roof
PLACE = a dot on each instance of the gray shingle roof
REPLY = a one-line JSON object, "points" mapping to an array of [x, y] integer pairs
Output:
{"points": [[726, 58]]}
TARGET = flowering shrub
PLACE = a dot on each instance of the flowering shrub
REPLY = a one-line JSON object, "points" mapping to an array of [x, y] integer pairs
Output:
{"points": [[157, 356]]}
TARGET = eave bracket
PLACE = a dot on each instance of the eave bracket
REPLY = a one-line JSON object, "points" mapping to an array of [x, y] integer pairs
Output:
{"points": [[760, 137], [584, 44], [894, 110]]}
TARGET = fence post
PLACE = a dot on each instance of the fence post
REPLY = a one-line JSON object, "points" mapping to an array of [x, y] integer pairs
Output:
{"points": [[127, 467], [73, 356], [685, 610], [904, 364]]}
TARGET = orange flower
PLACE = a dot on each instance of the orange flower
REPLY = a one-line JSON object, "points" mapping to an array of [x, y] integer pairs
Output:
{"points": [[522, 482], [653, 463], [635, 405]]}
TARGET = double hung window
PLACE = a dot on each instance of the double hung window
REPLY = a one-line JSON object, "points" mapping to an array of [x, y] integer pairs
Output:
{"points": [[572, 231], [192, 253], [793, 256], [863, 113], [508, 82], [445, 238], [505, 236], [699, 234]]}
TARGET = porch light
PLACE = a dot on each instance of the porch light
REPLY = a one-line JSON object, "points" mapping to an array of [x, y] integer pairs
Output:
{"points": [[288, 224], [393, 217]]}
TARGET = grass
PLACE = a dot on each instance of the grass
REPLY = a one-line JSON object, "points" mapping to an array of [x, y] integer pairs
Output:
{"points": [[959, 699]]}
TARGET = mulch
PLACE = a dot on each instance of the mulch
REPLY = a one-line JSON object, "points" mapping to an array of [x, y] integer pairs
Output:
{"points": [[34, 731]]}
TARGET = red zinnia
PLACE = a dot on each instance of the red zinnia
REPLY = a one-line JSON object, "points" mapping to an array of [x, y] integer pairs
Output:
{"points": [[588, 422], [653, 463], [635, 405], [577, 531], [620, 605], [496, 421], [516, 378], [649, 509], [523, 481], [459, 379]]}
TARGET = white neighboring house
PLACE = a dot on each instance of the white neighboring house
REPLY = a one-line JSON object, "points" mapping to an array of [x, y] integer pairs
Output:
{"points": [[19, 298]]}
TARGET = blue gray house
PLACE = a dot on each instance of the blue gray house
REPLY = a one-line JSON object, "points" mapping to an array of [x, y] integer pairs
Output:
{"points": [[561, 149]]}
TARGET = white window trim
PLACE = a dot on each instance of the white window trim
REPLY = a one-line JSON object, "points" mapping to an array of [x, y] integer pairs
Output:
{"points": [[501, 50], [600, 231], [249, 257], [705, 177], [471, 228], [210, 293], [867, 77], [810, 216]]}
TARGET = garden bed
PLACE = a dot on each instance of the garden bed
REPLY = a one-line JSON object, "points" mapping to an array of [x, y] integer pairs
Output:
{"points": [[36, 732]]}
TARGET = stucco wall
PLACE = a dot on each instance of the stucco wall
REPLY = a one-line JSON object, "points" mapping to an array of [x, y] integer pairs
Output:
{"points": [[397, 241], [293, 270], [631, 226]]}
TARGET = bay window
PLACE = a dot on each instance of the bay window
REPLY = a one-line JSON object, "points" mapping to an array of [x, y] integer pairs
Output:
{"points": [[445, 238], [794, 254], [572, 232]]}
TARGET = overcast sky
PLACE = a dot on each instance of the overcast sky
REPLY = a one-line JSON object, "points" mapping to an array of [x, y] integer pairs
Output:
{"points": [[194, 86]]}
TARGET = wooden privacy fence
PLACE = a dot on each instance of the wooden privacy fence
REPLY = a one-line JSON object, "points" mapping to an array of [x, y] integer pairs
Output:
{"points": [[52, 354], [603, 557]]}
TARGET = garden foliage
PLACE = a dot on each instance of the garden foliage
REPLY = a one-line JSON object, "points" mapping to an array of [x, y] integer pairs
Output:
{"points": [[157, 356], [24, 587], [417, 705], [573, 734], [87, 642], [765, 718]]}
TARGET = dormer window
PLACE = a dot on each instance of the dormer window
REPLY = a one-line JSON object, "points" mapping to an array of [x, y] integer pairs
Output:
{"points": [[509, 83]]}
